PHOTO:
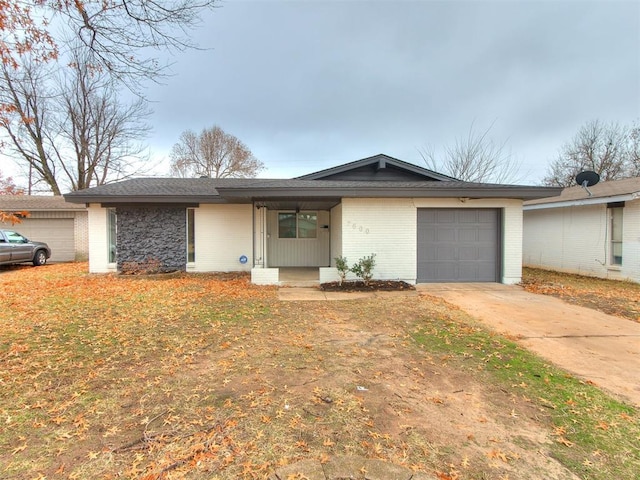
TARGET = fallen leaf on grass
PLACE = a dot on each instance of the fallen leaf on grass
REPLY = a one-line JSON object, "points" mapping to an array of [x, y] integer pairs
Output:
{"points": [[564, 442], [19, 449], [495, 453]]}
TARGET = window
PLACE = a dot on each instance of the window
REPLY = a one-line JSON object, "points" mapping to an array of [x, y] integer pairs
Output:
{"points": [[286, 225], [297, 225], [191, 235], [615, 233], [15, 237], [111, 234]]}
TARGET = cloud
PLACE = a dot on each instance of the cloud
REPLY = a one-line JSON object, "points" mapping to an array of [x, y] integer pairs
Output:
{"points": [[307, 85]]}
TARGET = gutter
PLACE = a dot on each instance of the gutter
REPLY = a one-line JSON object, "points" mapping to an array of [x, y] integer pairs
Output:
{"points": [[583, 202]]}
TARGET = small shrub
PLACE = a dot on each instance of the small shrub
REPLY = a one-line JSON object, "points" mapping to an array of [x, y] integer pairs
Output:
{"points": [[343, 268], [364, 268]]}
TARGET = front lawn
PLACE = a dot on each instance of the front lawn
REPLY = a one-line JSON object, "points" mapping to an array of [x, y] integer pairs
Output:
{"points": [[620, 298], [209, 377]]}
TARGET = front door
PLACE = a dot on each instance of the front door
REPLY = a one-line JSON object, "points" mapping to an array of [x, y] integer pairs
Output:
{"points": [[298, 239]]}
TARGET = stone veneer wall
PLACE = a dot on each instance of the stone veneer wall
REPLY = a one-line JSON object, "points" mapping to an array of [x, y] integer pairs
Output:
{"points": [[152, 233]]}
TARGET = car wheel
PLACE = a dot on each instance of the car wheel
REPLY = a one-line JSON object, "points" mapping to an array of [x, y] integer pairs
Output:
{"points": [[40, 258]]}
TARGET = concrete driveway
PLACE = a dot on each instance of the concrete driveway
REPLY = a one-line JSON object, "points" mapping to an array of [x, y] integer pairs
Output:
{"points": [[592, 345]]}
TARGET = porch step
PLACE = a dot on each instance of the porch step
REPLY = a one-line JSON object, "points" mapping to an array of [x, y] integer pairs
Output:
{"points": [[299, 283]]}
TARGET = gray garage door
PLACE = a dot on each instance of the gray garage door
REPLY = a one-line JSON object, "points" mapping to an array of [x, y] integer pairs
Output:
{"points": [[56, 232], [458, 245]]}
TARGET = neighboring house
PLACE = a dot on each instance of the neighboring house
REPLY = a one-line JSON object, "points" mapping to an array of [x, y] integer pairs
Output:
{"points": [[423, 226], [62, 225], [594, 231]]}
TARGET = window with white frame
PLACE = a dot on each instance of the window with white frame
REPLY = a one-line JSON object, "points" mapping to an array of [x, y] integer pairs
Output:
{"points": [[112, 229], [297, 224], [615, 233], [191, 235]]}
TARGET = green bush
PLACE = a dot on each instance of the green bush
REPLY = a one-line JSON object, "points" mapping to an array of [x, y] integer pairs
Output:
{"points": [[343, 267], [364, 268]]}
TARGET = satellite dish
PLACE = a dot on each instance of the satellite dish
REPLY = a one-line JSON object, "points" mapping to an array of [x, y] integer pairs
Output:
{"points": [[588, 178]]}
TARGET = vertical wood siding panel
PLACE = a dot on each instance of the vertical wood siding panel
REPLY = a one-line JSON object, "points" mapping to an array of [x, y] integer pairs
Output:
{"points": [[299, 252]]}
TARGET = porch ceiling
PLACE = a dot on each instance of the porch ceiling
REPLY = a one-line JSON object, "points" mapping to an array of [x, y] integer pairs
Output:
{"points": [[297, 204]]}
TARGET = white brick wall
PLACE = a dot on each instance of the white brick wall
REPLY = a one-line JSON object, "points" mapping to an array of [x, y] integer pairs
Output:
{"points": [[388, 228], [360, 227], [575, 240], [81, 234], [631, 238], [512, 242], [223, 234]]}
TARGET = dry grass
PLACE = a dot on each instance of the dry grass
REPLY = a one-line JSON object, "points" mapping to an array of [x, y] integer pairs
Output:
{"points": [[204, 377], [620, 298]]}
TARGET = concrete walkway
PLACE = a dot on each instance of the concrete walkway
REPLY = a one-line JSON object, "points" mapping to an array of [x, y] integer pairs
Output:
{"points": [[592, 345], [314, 293]]}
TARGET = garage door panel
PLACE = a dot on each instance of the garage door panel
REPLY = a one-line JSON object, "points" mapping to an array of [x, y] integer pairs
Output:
{"points": [[467, 216], [466, 234], [468, 253], [467, 270], [486, 254], [486, 270], [445, 235], [448, 272], [444, 216], [458, 245], [486, 215], [486, 235], [444, 253], [58, 233]]}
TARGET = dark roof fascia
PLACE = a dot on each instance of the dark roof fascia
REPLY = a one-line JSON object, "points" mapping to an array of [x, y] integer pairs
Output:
{"points": [[380, 158], [141, 199], [149, 204], [494, 191]]}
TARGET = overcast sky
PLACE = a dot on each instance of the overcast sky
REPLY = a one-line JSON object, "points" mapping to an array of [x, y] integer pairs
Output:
{"points": [[308, 85]]}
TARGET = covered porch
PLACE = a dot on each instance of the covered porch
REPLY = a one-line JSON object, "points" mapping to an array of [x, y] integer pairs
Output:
{"points": [[295, 240]]}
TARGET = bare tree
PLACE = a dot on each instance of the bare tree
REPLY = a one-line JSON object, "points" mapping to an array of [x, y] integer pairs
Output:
{"points": [[213, 153], [475, 158], [119, 35], [103, 133], [634, 151], [27, 119], [71, 131], [609, 149]]}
